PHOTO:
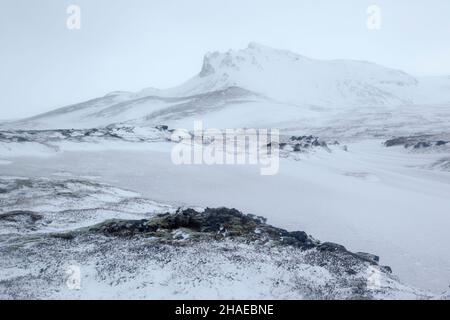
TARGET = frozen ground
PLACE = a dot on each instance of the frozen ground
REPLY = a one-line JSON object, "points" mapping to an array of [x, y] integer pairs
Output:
{"points": [[370, 198], [75, 238], [388, 198]]}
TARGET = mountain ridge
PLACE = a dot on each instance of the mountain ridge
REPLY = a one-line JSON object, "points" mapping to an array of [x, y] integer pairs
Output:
{"points": [[276, 79]]}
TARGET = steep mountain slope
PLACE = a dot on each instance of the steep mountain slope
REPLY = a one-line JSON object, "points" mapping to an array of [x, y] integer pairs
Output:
{"points": [[290, 77], [258, 84]]}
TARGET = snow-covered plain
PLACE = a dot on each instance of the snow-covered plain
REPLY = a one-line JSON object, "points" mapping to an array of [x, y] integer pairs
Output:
{"points": [[390, 201], [369, 199]]}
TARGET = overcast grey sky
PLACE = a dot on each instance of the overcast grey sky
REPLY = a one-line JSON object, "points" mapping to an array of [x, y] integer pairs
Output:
{"points": [[133, 44]]}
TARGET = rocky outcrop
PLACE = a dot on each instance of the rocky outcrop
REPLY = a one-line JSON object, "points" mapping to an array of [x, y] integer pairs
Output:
{"points": [[419, 141], [211, 224], [296, 145], [15, 221], [216, 224], [113, 132]]}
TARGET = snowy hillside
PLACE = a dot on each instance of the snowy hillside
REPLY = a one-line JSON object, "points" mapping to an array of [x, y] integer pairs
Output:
{"points": [[262, 85], [126, 246]]}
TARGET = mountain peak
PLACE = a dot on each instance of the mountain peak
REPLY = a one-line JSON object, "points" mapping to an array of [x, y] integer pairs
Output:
{"points": [[254, 56]]}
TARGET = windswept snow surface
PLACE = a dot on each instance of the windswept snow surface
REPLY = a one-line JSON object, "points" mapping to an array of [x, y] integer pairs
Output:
{"points": [[149, 251], [369, 198], [391, 201]]}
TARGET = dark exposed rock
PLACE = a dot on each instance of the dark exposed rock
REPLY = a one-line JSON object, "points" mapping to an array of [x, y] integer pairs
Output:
{"points": [[422, 144], [64, 236], [214, 224], [418, 141], [162, 127], [299, 144], [15, 216], [386, 269], [368, 256], [300, 236], [332, 247], [308, 141], [396, 142], [19, 220]]}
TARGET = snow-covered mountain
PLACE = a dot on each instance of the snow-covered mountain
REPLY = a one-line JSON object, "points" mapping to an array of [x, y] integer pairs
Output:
{"points": [[260, 84], [290, 77]]}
